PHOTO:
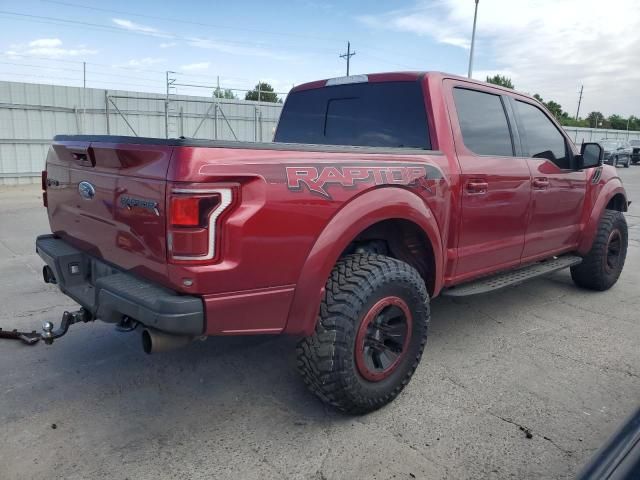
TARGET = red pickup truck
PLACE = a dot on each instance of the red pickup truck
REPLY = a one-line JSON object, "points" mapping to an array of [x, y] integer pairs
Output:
{"points": [[379, 193]]}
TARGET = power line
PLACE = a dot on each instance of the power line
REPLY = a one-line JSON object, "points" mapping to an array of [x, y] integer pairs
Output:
{"points": [[38, 66], [91, 78], [190, 22], [162, 35], [383, 60], [95, 74], [127, 67], [88, 71], [173, 36]]}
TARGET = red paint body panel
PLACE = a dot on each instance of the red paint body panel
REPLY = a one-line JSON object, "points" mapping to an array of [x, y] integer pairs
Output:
{"points": [[555, 216], [295, 210]]}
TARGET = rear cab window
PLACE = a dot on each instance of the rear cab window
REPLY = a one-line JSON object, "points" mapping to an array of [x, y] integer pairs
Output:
{"points": [[483, 122], [377, 114]]}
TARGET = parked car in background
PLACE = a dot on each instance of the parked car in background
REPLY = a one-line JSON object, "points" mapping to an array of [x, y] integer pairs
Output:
{"points": [[635, 152], [616, 152]]}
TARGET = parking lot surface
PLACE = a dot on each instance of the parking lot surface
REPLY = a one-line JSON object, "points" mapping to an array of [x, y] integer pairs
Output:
{"points": [[522, 383]]}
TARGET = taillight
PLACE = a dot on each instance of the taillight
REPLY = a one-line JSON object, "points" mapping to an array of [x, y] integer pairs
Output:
{"points": [[193, 214], [43, 183], [188, 211]]}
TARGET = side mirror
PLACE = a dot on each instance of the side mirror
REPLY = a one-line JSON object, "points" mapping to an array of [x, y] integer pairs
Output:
{"points": [[591, 155]]}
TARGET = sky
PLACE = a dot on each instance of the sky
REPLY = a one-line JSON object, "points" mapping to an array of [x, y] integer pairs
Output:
{"points": [[547, 47]]}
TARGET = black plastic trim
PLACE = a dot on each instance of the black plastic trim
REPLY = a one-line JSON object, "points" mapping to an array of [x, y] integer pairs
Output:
{"points": [[109, 293], [192, 142]]}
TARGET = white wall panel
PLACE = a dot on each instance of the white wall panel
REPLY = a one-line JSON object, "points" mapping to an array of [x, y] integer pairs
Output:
{"points": [[32, 114]]}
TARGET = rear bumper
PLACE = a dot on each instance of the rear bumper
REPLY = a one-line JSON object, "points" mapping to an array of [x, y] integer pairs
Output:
{"points": [[109, 293]]}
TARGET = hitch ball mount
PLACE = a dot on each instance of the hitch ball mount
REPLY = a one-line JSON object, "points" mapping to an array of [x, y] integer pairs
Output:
{"points": [[48, 334]]}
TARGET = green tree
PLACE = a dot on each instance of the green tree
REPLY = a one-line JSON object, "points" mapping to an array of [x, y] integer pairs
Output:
{"points": [[266, 93], [226, 93], [501, 80], [554, 108], [568, 121], [595, 119], [538, 97], [617, 122]]}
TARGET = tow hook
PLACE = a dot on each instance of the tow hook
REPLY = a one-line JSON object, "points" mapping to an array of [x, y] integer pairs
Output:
{"points": [[48, 334]]}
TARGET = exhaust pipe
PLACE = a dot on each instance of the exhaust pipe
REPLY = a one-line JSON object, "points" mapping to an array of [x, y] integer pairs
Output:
{"points": [[155, 341], [48, 275]]}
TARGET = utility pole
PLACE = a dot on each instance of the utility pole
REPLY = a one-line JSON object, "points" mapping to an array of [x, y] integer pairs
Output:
{"points": [[579, 101], [348, 56], [473, 40], [84, 95], [170, 82]]}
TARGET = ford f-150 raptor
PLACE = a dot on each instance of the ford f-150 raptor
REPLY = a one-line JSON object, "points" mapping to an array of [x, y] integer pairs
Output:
{"points": [[379, 193]]}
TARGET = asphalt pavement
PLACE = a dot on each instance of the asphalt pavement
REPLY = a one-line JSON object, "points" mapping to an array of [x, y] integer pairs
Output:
{"points": [[522, 383]]}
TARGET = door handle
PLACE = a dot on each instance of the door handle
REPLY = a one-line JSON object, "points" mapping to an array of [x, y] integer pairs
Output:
{"points": [[541, 183], [83, 155], [476, 187]]}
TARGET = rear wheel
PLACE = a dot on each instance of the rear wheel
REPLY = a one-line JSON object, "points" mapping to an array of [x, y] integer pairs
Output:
{"points": [[628, 162], [370, 334], [615, 162], [602, 266]]}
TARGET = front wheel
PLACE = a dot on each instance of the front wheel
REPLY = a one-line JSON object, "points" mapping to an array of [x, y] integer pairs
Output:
{"points": [[602, 266], [614, 162], [370, 334], [628, 162]]}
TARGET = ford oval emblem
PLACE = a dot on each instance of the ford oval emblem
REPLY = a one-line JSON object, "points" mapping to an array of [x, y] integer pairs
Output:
{"points": [[86, 190]]}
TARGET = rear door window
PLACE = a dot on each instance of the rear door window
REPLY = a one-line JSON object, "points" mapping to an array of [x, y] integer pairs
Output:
{"points": [[385, 114], [483, 122]]}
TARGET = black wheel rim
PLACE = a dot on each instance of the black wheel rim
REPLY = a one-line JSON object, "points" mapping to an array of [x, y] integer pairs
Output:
{"points": [[614, 251], [383, 338]]}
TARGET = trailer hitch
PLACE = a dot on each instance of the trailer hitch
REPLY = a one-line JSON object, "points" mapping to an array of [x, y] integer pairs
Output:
{"points": [[48, 334]]}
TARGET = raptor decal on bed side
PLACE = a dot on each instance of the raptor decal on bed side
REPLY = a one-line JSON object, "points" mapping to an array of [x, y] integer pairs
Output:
{"points": [[317, 179]]}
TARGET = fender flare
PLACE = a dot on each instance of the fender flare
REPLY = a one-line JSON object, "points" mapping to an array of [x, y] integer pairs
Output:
{"points": [[380, 204], [609, 190]]}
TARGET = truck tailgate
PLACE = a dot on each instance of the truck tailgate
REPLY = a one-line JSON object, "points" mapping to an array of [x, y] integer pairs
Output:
{"points": [[108, 199]]}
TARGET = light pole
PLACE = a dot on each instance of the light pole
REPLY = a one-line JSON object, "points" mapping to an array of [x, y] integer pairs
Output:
{"points": [[628, 120], [473, 40]]}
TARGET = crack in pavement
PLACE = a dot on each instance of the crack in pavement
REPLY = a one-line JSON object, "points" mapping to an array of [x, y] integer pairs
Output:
{"points": [[600, 314], [587, 363], [529, 433]]}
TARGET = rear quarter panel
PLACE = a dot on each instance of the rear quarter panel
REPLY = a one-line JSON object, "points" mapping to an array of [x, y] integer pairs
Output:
{"points": [[287, 200]]}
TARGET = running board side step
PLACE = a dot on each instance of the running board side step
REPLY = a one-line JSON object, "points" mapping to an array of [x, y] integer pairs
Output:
{"points": [[512, 277]]}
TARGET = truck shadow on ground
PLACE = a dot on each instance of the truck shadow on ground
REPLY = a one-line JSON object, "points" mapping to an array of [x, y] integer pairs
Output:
{"points": [[226, 377]]}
